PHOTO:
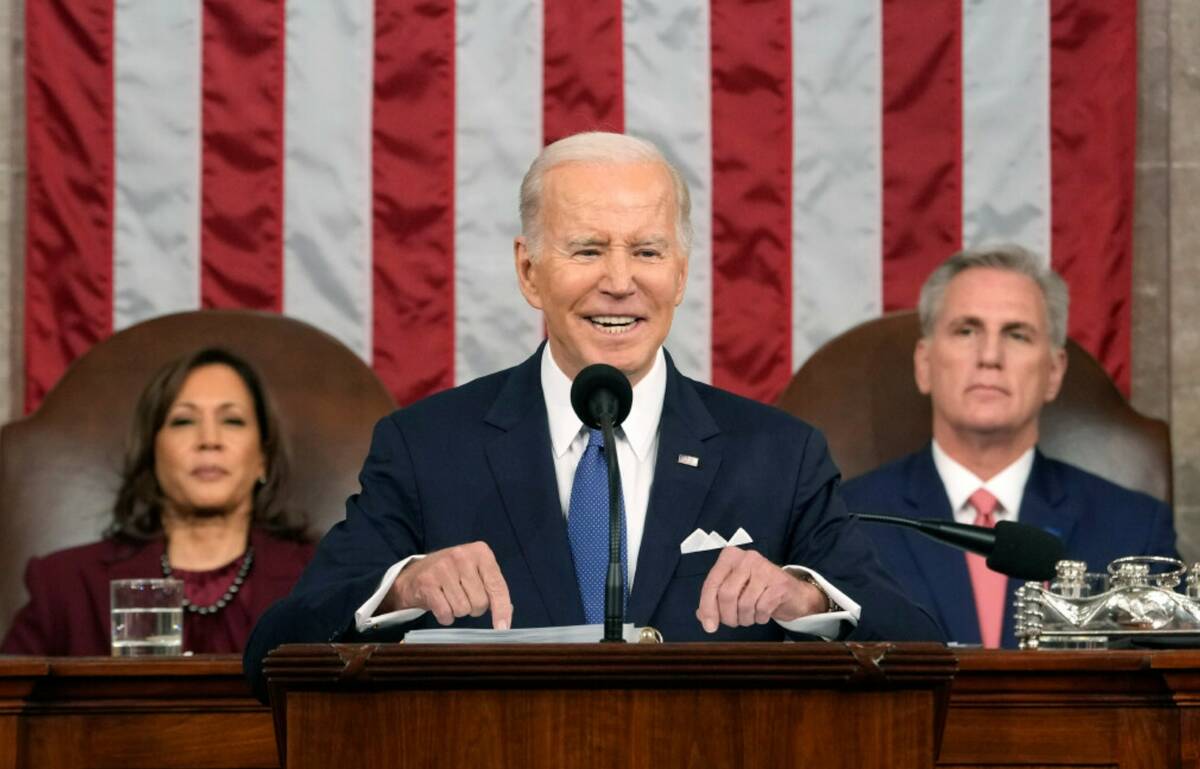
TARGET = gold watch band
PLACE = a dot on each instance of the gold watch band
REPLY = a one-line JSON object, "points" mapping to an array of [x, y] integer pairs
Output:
{"points": [[830, 604]]}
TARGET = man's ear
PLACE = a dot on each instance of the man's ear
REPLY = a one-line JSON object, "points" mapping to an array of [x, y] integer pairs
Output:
{"points": [[526, 272], [682, 278], [1058, 369], [921, 365]]}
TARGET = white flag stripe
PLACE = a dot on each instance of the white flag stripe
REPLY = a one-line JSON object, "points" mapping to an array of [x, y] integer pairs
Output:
{"points": [[498, 130], [328, 205], [156, 200], [837, 209], [327, 278], [1006, 123], [668, 101]]}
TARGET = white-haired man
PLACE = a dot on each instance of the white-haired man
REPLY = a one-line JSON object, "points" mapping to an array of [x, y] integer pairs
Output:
{"points": [[991, 355], [471, 510]]}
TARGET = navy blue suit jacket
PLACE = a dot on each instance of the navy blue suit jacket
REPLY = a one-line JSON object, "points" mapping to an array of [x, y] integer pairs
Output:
{"points": [[475, 463], [1096, 520]]}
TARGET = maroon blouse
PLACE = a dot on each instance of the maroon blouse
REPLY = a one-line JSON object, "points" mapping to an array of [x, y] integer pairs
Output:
{"points": [[226, 630]]}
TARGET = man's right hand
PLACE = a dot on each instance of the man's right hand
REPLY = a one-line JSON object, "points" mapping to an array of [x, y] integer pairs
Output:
{"points": [[455, 582]]}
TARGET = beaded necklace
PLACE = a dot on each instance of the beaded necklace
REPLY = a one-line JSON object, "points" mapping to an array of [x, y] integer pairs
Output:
{"points": [[224, 600]]}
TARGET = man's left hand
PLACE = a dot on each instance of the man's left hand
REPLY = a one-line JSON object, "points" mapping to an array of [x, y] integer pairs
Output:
{"points": [[743, 588]]}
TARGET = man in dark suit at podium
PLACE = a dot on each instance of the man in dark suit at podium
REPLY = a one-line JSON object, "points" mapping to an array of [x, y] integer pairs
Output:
{"points": [[483, 506], [991, 354]]}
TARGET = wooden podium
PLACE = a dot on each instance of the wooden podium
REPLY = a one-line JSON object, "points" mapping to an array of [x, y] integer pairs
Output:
{"points": [[618, 705], [1128, 709]]}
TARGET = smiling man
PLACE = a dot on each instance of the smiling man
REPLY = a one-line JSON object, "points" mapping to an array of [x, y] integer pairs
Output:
{"points": [[481, 507], [605, 262], [991, 354]]}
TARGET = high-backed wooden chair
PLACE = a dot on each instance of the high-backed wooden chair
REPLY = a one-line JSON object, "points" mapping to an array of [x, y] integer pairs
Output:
{"points": [[859, 390], [60, 466]]}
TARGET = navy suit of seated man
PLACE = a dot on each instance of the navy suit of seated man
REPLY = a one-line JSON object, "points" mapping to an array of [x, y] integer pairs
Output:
{"points": [[991, 354], [465, 513]]}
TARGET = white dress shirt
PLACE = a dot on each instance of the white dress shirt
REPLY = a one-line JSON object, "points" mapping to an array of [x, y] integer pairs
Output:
{"points": [[637, 445], [637, 448], [1007, 486]]}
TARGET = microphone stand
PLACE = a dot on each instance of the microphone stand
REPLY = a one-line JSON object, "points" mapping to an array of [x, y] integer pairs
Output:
{"points": [[614, 583], [601, 396], [1013, 549], [973, 539]]}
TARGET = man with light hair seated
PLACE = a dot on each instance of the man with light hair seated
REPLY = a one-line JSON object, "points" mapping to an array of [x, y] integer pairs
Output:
{"points": [[991, 354]]}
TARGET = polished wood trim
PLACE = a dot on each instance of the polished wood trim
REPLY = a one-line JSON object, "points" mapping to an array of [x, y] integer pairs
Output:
{"points": [[1006, 708], [608, 665], [179, 713], [754, 705], [1063, 709]]}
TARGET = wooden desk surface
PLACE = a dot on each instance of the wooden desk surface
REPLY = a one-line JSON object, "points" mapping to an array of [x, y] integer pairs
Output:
{"points": [[1007, 709], [634, 706], [1069, 709], [101, 712]]}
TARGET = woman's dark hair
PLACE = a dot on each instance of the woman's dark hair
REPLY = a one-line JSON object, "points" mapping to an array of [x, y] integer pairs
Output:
{"points": [[137, 513]]}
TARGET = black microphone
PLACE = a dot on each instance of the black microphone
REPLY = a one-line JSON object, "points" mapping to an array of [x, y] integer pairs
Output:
{"points": [[1013, 549], [601, 392], [601, 396]]}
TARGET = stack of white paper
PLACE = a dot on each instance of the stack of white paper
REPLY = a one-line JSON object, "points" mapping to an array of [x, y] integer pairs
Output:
{"points": [[570, 634]]}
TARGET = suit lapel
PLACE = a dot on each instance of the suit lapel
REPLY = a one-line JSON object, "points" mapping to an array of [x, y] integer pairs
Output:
{"points": [[1044, 505], [129, 561], [686, 428], [521, 462], [275, 570], [945, 568]]}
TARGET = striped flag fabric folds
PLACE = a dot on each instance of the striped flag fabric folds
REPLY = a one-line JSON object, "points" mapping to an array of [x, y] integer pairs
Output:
{"points": [[355, 164]]}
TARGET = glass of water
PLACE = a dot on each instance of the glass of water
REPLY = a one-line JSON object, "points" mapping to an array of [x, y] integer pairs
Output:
{"points": [[147, 617]]}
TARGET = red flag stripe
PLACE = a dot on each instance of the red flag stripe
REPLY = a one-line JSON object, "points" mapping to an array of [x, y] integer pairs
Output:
{"points": [[69, 124], [411, 313], [412, 168], [752, 196], [922, 143], [1093, 113], [241, 216], [582, 68]]}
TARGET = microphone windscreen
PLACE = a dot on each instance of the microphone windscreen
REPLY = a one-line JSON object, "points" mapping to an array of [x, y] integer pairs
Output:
{"points": [[1025, 552], [591, 382]]}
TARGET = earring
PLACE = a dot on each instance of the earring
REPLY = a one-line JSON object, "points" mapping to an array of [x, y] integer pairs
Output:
{"points": [[262, 479]]}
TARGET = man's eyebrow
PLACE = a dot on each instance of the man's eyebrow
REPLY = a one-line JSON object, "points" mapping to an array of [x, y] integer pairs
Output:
{"points": [[589, 240], [658, 241], [975, 320]]}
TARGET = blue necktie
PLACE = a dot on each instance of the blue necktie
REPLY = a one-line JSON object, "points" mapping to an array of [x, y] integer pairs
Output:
{"points": [[587, 527]]}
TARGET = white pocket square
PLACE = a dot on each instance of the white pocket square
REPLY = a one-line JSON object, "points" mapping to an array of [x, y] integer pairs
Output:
{"points": [[699, 541]]}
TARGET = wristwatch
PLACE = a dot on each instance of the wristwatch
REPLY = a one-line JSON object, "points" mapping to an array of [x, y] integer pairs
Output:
{"points": [[830, 604]]}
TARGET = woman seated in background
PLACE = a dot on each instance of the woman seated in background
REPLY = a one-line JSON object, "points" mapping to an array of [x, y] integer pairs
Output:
{"points": [[200, 497]]}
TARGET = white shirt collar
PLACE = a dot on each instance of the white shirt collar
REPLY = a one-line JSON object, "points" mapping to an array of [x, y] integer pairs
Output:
{"points": [[1008, 485], [639, 428]]}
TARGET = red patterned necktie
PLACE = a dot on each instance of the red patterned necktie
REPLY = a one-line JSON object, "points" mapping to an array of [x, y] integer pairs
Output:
{"points": [[987, 585]]}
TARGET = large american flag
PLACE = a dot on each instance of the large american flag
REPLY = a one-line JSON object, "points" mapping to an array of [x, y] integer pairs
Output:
{"points": [[355, 163]]}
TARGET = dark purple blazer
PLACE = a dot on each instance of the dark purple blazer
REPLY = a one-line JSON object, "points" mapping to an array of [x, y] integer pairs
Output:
{"points": [[68, 612]]}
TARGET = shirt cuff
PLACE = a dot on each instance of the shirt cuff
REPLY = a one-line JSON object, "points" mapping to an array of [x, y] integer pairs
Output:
{"points": [[363, 619], [826, 624]]}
